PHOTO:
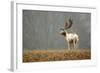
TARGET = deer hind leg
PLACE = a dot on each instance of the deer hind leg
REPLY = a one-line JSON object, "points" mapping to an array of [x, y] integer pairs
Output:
{"points": [[76, 44], [71, 44]]}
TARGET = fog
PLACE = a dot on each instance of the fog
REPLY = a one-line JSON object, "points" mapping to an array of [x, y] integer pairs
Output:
{"points": [[41, 29]]}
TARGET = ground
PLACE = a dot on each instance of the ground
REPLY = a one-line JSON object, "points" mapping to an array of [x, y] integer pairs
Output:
{"points": [[55, 55]]}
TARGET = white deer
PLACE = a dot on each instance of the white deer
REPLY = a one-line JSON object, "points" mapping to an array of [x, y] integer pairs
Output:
{"points": [[71, 38]]}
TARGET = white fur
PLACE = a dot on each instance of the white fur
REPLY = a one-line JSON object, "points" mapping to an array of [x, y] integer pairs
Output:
{"points": [[72, 40]]}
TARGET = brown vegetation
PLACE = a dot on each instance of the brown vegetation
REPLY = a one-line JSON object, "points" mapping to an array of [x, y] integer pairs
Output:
{"points": [[55, 55]]}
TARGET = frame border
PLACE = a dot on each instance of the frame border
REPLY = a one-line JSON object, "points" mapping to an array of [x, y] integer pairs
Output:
{"points": [[14, 30]]}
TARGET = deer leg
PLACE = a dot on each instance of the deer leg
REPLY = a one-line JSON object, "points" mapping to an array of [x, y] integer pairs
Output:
{"points": [[74, 44], [68, 46], [71, 45], [77, 44]]}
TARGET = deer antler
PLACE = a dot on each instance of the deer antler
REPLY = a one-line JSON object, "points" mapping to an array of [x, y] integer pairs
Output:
{"points": [[68, 25]]}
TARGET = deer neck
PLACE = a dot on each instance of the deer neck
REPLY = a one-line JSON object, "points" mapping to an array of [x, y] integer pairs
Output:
{"points": [[66, 32]]}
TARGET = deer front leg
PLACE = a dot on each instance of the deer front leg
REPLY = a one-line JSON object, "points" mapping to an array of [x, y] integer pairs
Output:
{"points": [[74, 44], [68, 46]]}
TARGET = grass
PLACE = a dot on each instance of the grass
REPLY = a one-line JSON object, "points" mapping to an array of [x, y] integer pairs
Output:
{"points": [[55, 55]]}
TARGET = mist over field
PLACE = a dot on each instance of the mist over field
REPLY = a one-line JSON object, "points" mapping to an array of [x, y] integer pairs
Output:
{"points": [[41, 29]]}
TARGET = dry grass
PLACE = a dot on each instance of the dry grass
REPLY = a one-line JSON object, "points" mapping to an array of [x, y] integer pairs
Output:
{"points": [[55, 55]]}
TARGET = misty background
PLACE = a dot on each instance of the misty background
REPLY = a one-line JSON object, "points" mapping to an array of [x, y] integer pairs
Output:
{"points": [[41, 29]]}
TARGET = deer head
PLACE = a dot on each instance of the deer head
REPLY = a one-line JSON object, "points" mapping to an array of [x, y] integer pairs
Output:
{"points": [[62, 32]]}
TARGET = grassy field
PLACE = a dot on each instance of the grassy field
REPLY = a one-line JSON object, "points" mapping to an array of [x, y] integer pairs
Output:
{"points": [[55, 55]]}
